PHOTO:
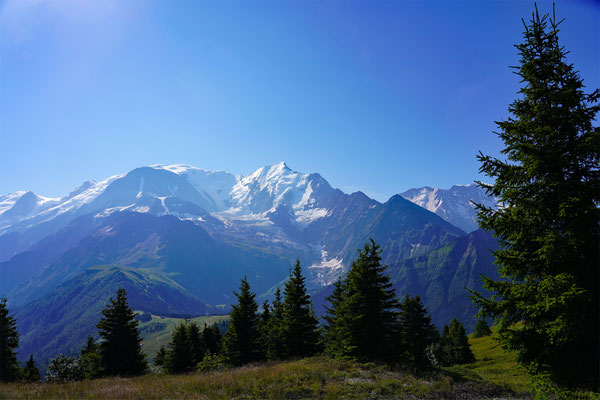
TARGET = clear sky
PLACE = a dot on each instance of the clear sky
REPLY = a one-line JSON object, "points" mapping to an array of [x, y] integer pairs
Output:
{"points": [[375, 96]]}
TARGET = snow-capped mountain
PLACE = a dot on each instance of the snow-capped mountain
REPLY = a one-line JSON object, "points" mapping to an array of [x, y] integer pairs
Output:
{"points": [[199, 231], [455, 205]]}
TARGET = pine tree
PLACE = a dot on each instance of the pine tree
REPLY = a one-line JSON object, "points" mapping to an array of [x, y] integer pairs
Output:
{"points": [[241, 343], [417, 331], [90, 346], [198, 346], [180, 357], [212, 339], [370, 309], [482, 328], [159, 358], [455, 338], [300, 326], [264, 326], [276, 349], [9, 342], [546, 301], [121, 343], [337, 343], [30, 372], [91, 360]]}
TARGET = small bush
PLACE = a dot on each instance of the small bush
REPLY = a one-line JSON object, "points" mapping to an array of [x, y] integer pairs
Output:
{"points": [[65, 368], [211, 362]]}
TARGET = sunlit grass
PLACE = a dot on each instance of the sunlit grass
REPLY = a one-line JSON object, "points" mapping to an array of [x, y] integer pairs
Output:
{"points": [[318, 377]]}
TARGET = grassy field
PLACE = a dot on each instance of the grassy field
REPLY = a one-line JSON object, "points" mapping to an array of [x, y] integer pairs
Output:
{"points": [[495, 365], [313, 378], [157, 332], [495, 375]]}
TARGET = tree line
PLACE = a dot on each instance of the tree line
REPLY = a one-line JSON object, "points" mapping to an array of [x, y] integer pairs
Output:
{"points": [[364, 321]]}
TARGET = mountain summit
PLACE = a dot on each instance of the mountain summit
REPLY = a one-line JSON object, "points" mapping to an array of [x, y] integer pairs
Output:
{"points": [[192, 233]]}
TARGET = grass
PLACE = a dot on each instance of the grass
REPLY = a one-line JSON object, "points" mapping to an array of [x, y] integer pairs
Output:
{"points": [[494, 374], [496, 365], [313, 378]]}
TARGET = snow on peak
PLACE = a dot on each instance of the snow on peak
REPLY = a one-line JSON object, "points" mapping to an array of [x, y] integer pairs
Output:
{"points": [[454, 204], [215, 186], [307, 195]]}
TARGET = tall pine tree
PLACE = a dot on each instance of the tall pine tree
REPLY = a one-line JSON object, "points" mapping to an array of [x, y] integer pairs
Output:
{"points": [[9, 342], [241, 343], [337, 343], [211, 335], [197, 341], [369, 309], [300, 326], [417, 331], [180, 357], [547, 300], [276, 349], [121, 342]]}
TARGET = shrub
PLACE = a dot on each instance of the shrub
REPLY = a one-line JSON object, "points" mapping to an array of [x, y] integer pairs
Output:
{"points": [[64, 368], [211, 362]]}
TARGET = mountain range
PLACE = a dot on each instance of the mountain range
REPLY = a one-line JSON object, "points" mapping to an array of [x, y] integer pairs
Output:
{"points": [[179, 238]]}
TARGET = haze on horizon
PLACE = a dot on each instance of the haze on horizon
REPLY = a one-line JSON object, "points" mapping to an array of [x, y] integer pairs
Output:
{"points": [[375, 96]]}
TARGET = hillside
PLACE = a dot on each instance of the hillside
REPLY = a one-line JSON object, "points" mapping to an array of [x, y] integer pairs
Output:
{"points": [[61, 321]]}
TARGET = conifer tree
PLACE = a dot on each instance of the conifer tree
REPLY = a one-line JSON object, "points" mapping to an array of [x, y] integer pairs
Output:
{"points": [[159, 358], [121, 342], [90, 346], [9, 342], [546, 301], [337, 342], [276, 349], [198, 346], [241, 343], [180, 357], [300, 326], [30, 372], [482, 328], [455, 338], [417, 331], [370, 308], [91, 360], [264, 327], [211, 336]]}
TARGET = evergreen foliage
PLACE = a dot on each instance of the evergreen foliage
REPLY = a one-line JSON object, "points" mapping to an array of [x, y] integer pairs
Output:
{"points": [[454, 337], [417, 331], [180, 357], [121, 342], [30, 372], [337, 342], [364, 311], [264, 327], [159, 358], [482, 328], [241, 343], [300, 326], [198, 347], [212, 338], [546, 302], [91, 359], [9, 342], [276, 349]]}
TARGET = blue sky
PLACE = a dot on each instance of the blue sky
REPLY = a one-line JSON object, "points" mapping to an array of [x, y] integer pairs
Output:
{"points": [[375, 96]]}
